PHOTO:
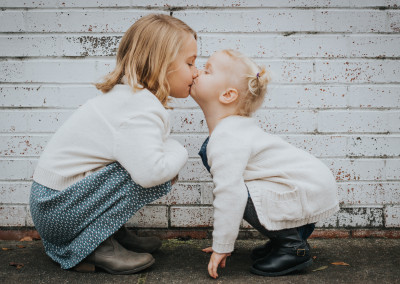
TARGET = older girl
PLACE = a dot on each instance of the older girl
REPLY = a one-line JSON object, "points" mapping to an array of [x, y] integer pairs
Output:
{"points": [[114, 154]]}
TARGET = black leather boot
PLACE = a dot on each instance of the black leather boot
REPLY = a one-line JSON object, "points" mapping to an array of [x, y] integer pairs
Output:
{"points": [[261, 251], [290, 253]]}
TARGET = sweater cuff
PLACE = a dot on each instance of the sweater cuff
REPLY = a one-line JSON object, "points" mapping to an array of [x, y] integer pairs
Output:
{"points": [[223, 247]]}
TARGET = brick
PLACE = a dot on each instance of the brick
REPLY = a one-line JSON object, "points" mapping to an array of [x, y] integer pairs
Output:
{"points": [[375, 233], [194, 171], [330, 233], [374, 146], [370, 96], [360, 217], [191, 217], [15, 192], [350, 21], [312, 46], [394, 21], [16, 235], [187, 103], [357, 71], [81, 21], [260, 20], [358, 121], [22, 146], [12, 121], [150, 217], [261, 46], [40, 121], [367, 193], [38, 96], [55, 71], [207, 193], [392, 216], [183, 121], [12, 21], [191, 142], [182, 193], [319, 145], [330, 222], [305, 96], [392, 169], [17, 169], [62, 4], [12, 216], [288, 71], [374, 46], [28, 219], [286, 121], [60, 45], [356, 169]]}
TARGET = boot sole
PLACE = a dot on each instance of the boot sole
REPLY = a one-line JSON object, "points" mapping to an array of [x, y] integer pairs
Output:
{"points": [[284, 272], [132, 271]]}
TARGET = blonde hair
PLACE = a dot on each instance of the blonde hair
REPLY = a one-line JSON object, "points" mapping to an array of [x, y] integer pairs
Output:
{"points": [[252, 86], [145, 54]]}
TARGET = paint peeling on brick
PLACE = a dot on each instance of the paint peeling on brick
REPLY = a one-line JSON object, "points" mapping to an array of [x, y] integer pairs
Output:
{"points": [[334, 93]]}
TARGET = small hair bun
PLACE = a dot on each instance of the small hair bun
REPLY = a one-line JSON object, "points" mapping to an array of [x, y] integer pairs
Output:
{"points": [[261, 73], [257, 84]]}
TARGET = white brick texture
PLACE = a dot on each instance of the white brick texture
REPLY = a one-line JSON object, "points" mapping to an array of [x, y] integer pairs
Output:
{"points": [[335, 92]]}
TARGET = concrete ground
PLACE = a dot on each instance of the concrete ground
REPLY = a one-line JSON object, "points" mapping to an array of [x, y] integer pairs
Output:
{"points": [[369, 261]]}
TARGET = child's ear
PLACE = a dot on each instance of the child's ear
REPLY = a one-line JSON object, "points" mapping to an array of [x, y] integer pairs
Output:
{"points": [[229, 96]]}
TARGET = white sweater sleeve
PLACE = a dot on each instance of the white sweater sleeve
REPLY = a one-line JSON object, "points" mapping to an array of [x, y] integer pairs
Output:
{"points": [[141, 148], [227, 156]]}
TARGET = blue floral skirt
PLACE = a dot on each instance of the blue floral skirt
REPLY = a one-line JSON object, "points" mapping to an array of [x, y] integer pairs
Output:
{"points": [[74, 222]]}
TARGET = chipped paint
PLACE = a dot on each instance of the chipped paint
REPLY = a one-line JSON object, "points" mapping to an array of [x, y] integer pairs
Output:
{"points": [[334, 93]]}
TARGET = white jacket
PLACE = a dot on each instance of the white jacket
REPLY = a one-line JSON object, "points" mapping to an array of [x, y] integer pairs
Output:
{"points": [[288, 186], [129, 127]]}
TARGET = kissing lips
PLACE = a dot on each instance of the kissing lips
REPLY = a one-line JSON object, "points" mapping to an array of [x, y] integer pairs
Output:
{"points": [[190, 88]]}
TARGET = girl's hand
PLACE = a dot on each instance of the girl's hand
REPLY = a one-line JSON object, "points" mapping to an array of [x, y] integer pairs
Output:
{"points": [[216, 259]]}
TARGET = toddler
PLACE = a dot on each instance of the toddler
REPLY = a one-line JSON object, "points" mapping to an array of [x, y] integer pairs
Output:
{"points": [[280, 190]]}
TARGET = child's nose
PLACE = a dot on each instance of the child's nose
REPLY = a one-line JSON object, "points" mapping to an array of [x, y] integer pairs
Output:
{"points": [[195, 73]]}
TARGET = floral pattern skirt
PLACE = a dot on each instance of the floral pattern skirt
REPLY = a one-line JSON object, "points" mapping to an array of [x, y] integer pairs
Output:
{"points": [[74, 222]]}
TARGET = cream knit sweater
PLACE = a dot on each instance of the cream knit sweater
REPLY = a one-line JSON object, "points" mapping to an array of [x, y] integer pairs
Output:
{"points": [[288, 186], [130, 128]]}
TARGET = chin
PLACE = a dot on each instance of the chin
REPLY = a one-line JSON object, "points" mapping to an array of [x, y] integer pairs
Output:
{"points": [[180, 96], [193, 96]]}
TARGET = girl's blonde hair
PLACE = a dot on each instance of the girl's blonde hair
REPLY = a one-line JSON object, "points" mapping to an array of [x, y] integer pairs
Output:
{"points": [[253, 84], [145, 53]]}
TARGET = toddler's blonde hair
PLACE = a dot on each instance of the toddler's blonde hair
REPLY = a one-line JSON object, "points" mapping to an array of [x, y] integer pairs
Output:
{"points": [[145, 54], [253, 84]]}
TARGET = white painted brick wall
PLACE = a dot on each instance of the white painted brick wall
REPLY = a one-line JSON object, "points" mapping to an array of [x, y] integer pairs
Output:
{"points": [[335, 93]]}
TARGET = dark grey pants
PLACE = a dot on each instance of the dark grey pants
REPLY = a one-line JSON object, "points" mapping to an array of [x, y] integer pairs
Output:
{"points": [[250, 215]]}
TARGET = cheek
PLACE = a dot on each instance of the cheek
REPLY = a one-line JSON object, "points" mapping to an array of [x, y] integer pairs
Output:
{"points": [[186, 72]]}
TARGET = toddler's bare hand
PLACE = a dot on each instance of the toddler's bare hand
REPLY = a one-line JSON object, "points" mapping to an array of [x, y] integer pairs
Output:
{"points": [[216, 259], [208, 250]]}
